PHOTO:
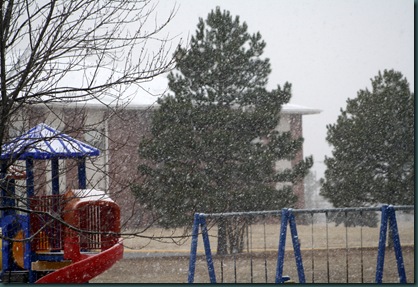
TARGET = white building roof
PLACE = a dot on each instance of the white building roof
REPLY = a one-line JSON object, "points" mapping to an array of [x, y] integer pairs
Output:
{"points": [[146, 94], [298, 109], [159, 86]]}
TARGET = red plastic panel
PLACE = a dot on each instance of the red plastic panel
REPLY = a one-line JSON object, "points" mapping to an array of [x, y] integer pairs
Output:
{"points": [[97, 223]]}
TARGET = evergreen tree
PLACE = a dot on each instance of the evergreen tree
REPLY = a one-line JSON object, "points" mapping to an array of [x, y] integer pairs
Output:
{"points": [[213, 144], [373, 158]]}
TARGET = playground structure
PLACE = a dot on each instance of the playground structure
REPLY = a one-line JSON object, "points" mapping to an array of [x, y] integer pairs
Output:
{"points": [[54, 238], [323, 254]]}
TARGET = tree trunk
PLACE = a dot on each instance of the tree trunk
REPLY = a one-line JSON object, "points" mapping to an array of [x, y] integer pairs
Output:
{"points": [[222, 248], [236, 230]]}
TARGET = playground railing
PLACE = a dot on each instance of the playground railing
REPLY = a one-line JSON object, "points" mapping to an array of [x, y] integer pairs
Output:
{"points": [[336, 245], [48, 232]]}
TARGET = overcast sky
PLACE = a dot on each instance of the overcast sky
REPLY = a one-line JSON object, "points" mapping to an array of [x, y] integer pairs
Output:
{"points": [[327, 49]]}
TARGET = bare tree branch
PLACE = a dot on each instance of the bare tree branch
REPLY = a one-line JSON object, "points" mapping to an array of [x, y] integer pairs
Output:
{"points": [[55, 52]]}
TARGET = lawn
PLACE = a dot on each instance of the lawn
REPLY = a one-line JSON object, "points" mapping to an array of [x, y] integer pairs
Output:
{"points": [[330, 254]]}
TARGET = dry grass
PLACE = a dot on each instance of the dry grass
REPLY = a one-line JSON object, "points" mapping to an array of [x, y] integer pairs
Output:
{"points": [[336, 258], [261, 237], [252, 269]]}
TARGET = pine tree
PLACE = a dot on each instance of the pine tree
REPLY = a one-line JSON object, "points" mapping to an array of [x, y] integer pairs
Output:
{"points": [[373, 158], [214, 145]]}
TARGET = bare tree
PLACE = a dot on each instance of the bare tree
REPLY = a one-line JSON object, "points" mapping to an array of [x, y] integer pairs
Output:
{"points": [[55, 53], [77, 51], [83, 51]]}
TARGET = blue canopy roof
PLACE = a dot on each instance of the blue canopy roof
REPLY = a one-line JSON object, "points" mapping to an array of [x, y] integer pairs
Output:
{"points": [[44, 142]]}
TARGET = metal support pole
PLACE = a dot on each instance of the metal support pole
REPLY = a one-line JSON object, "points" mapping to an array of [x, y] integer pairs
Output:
{"points": [[296, 247], [82, 182], [193, 249], [281, 248], [30, 187], [8, 217], [54, 232], [388, 216], [30, 192], [396, 244], [4, 201], [199, 220], [208, 253], [382, 245], [55, 176], [289, 217]]}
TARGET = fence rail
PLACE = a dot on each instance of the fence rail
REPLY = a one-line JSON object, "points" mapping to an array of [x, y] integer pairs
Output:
{"points": [[321, 251]]}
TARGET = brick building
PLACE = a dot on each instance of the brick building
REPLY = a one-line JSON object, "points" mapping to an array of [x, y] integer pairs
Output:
{"points": [[117, 133]]}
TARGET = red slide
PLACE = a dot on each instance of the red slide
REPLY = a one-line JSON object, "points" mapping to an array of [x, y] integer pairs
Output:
{"points": [[86, 269]]}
